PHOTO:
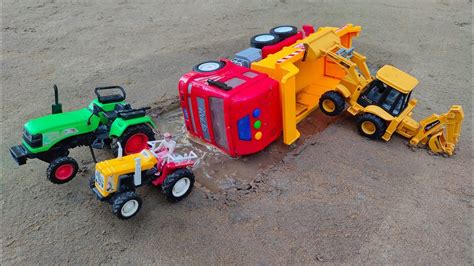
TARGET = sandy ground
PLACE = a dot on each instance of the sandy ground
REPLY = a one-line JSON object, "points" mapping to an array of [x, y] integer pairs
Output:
{"points": [[333, 197]]}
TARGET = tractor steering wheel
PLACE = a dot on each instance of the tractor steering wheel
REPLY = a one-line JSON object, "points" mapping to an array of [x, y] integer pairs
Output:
{"points": [[95, 111]]}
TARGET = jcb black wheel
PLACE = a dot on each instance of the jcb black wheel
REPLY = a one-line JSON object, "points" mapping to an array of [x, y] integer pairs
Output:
{"points": [[332, 103], [62, 170], [178, 185], [126, 205], [371, 126], [261, 40], [134, 139], [284, 31]]}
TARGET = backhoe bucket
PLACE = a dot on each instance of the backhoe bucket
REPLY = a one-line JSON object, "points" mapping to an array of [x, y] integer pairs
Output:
{"points": [[438, 144], [441, 131]]}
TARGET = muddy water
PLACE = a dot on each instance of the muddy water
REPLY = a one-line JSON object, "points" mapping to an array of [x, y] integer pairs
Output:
{"points": [[219, 172]]}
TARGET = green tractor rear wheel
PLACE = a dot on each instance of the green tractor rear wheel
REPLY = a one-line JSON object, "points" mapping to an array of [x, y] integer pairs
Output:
{"points": [[134, 139]]}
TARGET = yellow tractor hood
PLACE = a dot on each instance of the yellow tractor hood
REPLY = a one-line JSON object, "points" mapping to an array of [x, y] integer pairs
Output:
{"points": [[126, 164], [397, 79]]}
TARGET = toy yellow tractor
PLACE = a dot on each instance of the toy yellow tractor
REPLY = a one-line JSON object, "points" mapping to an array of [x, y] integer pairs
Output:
{"points": [[116, 180], [383, 105]]}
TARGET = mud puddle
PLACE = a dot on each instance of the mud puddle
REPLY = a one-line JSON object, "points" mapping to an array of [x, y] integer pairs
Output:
{"points": [[219, 172]]}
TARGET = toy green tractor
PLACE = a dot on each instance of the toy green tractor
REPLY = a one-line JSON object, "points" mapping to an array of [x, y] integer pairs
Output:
{"points": [[106, 121]]}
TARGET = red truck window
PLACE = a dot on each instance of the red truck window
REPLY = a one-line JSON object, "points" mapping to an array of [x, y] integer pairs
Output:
{"points": [[216, 105], [234, 82], [190, 104], [250, 74], [203, 118]]}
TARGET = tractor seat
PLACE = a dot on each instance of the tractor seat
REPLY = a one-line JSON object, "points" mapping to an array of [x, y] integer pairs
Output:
{"points": [[111, 98], [131, 114], [122, 107]]}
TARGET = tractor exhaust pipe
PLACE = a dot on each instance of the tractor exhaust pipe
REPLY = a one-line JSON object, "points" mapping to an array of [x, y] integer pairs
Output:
{"points": [[137, 177], [120, 150], [56, 108]]}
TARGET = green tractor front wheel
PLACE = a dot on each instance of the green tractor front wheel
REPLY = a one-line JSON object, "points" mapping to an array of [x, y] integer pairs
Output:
{"points": [[62, 170], [134, 139]]}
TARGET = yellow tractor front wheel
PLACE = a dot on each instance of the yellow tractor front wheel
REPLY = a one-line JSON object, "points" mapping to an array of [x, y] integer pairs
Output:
{"points": [[371, 126]]}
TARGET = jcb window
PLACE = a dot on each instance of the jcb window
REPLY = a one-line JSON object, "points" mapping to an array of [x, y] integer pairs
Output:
{"points": [[376, 91], [390, 100], [386, 97]]}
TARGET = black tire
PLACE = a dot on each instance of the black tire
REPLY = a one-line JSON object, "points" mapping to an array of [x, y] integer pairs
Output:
{"points": [[284, 31], [129, 132], [172, 179], [124, 212], [92, 182], [62, 170], [379, 126], [332, 103], [261, 40], [209, 66]]}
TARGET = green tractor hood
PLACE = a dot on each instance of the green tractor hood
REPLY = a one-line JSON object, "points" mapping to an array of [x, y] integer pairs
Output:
{"points": [[56, 127]]}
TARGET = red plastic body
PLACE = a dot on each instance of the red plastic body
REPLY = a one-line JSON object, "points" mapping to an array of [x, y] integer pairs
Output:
{"points": [[169, 168], [271, 49], [220, 117], [308, 29]]}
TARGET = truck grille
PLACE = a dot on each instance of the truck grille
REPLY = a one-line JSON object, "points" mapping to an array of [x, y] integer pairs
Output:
{"points": [[99, 179]]}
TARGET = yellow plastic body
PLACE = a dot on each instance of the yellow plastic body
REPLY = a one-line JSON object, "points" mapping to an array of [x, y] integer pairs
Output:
{"points": [[440, 132], [112, 169], [304, 74], [397, 79]]}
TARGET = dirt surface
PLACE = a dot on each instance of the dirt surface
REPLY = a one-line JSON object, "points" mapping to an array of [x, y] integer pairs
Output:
{"points": [[333, 197]]}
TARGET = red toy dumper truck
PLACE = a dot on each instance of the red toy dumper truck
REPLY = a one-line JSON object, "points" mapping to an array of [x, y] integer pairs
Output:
{"points": [[231, 106], [236, 108]]}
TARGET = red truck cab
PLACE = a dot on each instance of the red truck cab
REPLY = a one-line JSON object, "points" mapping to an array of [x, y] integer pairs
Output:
{"points": [[231, 107]]}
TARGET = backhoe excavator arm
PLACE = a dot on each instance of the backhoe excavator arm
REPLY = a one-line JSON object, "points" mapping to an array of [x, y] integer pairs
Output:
{"points": [[441, 132]]}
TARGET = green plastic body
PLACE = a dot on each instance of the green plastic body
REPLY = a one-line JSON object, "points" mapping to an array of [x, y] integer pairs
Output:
{"points": [[57, 127]]}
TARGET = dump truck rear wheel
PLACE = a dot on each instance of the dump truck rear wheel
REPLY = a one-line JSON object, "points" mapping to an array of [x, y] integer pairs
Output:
{"points": [[178, 185], [208, 66], [261, 40], [126, 205], [284, 31], [62, 170], [371, 126], [332, 103]]}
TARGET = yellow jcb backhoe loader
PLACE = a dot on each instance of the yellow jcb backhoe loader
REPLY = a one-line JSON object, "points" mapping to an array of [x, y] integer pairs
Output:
{"points": [[382, 103]]}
